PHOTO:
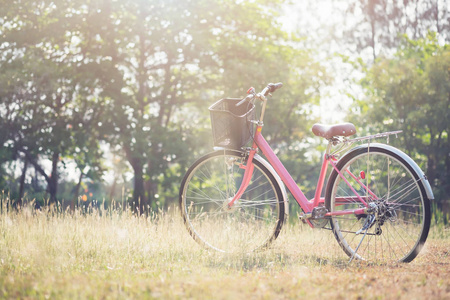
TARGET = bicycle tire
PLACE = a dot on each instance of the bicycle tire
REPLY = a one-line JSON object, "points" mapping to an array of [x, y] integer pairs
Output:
{"points": [[403, 222], [254, 221]]}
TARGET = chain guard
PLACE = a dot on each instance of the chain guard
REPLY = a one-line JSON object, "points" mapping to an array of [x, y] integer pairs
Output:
{"points": [[319, 223]]}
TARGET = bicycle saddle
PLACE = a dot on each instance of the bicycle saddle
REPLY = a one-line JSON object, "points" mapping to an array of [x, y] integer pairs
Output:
{"points": [[329, 131]]}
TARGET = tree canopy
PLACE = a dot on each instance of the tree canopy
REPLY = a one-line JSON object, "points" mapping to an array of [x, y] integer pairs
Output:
{"points": [[92, 86], [138, 76], [411, 92]]}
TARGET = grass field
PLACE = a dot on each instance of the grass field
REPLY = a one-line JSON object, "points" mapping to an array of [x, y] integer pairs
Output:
{"points": [[45, 255]]}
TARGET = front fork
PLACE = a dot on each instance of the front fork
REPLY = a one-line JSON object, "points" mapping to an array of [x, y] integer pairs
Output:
{"points": [[249, 167], [246, 180]]}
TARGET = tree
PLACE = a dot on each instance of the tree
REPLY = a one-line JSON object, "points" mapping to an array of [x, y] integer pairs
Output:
{"points": [[390, 19], [369, 28], [175, 57], [139, 76], [46, 93], [411, 92]]}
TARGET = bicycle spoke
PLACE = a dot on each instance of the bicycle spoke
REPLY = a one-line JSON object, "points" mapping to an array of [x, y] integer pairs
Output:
{"points": [[251, 222], [398, 208]]}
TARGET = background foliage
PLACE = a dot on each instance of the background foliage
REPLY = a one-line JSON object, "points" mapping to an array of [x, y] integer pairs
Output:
{"points": [[108, 99]]}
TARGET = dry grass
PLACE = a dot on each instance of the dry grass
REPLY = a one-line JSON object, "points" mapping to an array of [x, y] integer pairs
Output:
{"points": [[118, 256]]}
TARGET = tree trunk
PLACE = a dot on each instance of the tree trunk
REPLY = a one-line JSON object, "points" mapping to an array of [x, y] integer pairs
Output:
{"points": [[447, 173], [19, 202], [416, 19], [151, 186], [138, 202], [53, 179], [431, 170], [372, 18], [77, 193], [438, 25], [112, 191]]}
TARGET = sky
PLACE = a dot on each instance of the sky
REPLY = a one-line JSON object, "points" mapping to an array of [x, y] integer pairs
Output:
{"points": [[314, 19]]}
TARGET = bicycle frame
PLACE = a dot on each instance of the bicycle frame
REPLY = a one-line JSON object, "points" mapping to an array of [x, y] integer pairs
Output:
{"points": [[306, 205], [374, 191]]}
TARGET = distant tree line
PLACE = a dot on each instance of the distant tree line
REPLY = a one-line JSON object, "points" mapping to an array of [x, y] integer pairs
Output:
{"points": [[87, 86], [137, 77], [411, 92], [401, 48]]}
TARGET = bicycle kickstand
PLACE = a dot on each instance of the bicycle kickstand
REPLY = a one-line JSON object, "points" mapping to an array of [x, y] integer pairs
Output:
{"points": [[369, 222]]}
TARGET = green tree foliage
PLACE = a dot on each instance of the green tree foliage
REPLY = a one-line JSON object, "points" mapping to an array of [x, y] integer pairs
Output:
{"points": [[171, 58], [139, 75], [411, 92], [47, 103]]}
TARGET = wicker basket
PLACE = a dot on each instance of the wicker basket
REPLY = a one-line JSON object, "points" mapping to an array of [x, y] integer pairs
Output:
{"points": [[231, 125]]}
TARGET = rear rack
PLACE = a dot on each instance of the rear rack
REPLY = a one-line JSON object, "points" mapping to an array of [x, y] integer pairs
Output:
{"points": [[345, 144], [374, 136]]}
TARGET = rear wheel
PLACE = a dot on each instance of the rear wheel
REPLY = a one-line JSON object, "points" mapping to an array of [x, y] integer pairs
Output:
{"points": [[253, 221], [400, 221]]}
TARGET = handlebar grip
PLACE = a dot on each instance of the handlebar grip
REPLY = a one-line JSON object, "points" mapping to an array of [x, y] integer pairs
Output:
{"points": [[274, 86]]}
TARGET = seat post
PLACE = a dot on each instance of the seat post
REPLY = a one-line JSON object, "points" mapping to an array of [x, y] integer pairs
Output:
{"points": [[330, 144]]}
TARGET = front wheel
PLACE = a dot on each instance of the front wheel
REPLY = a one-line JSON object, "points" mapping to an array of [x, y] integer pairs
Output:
{"points": [[399, 221], [253, 221]]}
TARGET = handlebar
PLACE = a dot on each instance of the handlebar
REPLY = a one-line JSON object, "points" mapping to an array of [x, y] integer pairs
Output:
{"points": [[273, 87], [249, 97], [270, 88]]}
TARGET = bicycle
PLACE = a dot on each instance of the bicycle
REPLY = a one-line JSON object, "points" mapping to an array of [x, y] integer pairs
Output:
{"points": [[377, 199]]}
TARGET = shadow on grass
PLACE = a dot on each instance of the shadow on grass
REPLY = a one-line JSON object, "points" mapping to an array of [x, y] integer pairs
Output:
{"points": [[268, 261]]}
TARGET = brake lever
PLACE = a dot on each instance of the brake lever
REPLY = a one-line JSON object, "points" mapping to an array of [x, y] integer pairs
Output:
{"points": [[251, 94]]}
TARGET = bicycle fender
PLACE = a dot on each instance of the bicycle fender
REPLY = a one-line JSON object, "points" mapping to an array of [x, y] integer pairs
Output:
{"points": [[419, 173], [266, 164]]}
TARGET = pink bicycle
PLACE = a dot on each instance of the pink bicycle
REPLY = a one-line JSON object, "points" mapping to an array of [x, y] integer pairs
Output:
{"points": [[377, 200]]}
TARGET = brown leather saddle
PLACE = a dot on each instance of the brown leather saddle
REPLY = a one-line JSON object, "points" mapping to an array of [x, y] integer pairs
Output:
{"points": [[330, 131]]}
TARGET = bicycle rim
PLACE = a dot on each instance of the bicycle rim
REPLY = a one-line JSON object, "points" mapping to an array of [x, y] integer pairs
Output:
{"points": [[402, 222], [254, 220]]}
